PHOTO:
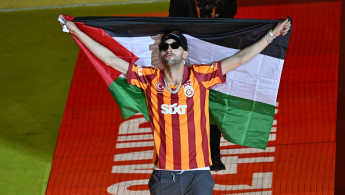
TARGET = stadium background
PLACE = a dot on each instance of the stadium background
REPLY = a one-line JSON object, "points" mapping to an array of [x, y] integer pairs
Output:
{"points": [[37, 64]]}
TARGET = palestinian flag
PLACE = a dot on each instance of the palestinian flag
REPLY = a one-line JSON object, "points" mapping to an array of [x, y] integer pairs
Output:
{"points": [[243, 107]]}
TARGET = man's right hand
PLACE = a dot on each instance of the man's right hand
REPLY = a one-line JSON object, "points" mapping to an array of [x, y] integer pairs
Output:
{"points": [[101, 52], [68, 26]]}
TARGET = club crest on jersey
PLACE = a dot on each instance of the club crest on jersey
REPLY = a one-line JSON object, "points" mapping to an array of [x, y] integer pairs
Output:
{"points": [[188, 91], [160, 87]]}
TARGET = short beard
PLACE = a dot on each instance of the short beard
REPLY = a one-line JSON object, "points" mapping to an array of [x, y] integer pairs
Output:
{"points": [[170, 62]]}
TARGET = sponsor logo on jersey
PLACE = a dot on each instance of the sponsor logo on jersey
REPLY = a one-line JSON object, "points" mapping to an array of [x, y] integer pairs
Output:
{"points": [[173, 109]]}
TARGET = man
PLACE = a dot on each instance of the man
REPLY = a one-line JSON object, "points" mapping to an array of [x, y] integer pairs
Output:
{"points": [[206, 9], [177, 99]]}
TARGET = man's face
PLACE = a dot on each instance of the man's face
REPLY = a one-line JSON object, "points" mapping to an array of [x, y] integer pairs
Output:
{"points": [[171, 56]]}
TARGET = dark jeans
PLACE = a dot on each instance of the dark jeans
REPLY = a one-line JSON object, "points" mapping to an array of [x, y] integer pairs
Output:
{"points": [[165, 182]]}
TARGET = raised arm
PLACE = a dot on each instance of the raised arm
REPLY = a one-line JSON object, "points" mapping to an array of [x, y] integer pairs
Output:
{"points": [[243, 56], [101, 52]]}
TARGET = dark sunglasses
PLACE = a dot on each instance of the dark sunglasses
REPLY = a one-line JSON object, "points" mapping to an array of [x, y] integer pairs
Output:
{"points": [[164, 46]]}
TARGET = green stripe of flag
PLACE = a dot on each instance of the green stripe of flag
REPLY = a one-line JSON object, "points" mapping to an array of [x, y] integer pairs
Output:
{"points": [[130, 98], [241, 121]]}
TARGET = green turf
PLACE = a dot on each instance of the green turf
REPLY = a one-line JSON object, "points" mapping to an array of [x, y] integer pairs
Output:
{"points": [[6, 4], [37, 62]]}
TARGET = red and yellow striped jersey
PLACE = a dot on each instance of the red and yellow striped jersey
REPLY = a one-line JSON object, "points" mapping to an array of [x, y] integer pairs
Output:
{"points": [[179, 122]]}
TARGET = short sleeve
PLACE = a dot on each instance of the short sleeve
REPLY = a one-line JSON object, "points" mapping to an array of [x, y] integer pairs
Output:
{"points": [[209, 74], [140, 76]]}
